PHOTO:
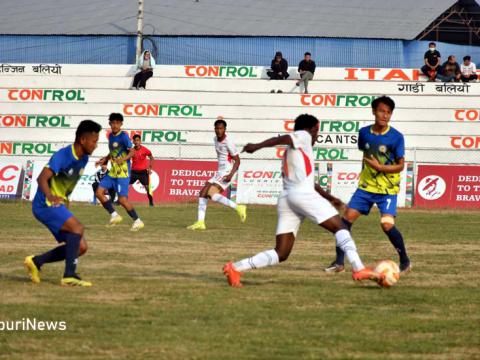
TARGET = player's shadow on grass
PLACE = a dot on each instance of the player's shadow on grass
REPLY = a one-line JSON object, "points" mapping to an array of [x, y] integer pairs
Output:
{"points": [[26, 280]]}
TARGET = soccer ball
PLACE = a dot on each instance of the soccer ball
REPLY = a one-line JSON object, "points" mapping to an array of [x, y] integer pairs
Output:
{"points": [[391, 271]]}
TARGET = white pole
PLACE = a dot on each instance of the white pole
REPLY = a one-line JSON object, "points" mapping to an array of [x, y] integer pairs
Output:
{"points": [[139, 29]]}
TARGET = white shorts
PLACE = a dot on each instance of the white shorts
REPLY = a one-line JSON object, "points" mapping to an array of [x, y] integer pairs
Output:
{"points": [[293, 207], [218, 179]]}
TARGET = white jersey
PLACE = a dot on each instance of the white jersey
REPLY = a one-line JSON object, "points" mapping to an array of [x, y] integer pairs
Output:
{"points": [[297, 166], [225, 151], [468, 70]]}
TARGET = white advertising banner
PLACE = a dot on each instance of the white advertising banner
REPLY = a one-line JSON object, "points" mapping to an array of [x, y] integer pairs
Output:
{"points": [[10, 173], [345, 181], [259, 182]]}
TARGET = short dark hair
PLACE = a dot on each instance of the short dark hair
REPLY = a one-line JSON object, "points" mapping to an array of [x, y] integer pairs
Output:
{"points": [[450, 57], [220, 121], [305, 121], [432, 43], [87, 126], [383, 100], [307, 53], [136, 136], [468, 57], [115, 116]]}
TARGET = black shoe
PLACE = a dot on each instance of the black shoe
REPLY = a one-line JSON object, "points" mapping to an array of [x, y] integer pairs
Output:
{"points": [[405, 267], [334, 268], [279, 91], [272, 91]]}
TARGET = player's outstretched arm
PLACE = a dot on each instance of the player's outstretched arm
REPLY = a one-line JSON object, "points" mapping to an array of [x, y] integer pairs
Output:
{"points": [[102, 161], [42, 181], [274, 141], [387, 169], [236, 165]]}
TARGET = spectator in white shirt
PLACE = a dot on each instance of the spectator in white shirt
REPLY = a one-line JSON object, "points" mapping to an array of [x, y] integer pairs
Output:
{"points": [[468, 69]]}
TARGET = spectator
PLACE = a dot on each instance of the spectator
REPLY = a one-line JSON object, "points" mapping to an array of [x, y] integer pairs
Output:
{"points": [[468, 70], [278, 68], [145, 64], [450, 70], [306, 69], [432, 62]]}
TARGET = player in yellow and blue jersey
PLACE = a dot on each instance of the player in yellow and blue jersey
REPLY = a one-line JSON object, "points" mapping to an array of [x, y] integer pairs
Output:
{"points": [[118, 177], [383, 160], [55, 183]]}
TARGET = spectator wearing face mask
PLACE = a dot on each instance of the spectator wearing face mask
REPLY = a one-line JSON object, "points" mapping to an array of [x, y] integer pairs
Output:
{"points": [[432, 60], [468, 69]]}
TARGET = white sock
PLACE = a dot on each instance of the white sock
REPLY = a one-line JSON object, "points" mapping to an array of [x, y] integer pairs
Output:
{"points": [[224, 201], [202, 208], [263, 259], [346, 243], [114, 214]]}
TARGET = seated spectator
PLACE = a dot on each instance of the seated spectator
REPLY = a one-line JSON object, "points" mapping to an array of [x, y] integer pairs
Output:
{"points": [[468, 70], [306, 69], [450, 70], [432, 62], [278, 68], [145, 64]]}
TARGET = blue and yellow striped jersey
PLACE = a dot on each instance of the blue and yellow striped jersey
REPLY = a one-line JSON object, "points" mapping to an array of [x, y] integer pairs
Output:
{"points": [[119, 145], [387, 148], [67, 168]]}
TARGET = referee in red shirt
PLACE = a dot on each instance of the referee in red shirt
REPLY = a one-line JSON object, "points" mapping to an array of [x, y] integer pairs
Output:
{"points": [[141, 170]]}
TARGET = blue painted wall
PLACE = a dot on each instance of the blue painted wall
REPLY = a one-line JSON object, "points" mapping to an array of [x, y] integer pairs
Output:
{"points": [[327, 52]]}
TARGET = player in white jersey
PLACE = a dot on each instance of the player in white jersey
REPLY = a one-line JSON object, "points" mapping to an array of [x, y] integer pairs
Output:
{"points": [[226, 153], [301, 198]]}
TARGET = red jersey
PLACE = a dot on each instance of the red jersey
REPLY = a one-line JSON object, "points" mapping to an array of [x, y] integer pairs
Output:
{"points": [[139, 160]]}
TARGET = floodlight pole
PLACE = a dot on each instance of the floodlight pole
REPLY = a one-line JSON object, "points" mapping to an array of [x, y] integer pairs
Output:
{"points": [[139, 29]]}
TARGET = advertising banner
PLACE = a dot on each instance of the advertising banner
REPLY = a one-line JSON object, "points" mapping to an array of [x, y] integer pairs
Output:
{"points": [[452, 186], [10, 175], [175, 180], [259, 182]]}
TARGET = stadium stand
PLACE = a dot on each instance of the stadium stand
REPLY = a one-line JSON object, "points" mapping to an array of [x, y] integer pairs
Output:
{"points": [[39, 110]]}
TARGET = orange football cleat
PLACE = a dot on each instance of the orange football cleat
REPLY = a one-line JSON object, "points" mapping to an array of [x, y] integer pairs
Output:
{"points": [[367, 274], [233, 276]]}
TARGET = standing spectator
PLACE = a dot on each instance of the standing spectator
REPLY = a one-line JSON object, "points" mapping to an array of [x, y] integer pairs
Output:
{"points": [[450, 70], [306, 69], [99, 175], [432, 62], [145, 64], [141, 170], [468, 70]]}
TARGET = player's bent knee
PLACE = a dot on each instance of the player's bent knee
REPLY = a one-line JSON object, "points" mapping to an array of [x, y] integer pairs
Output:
{"points": [[212, 190], [387, 223]]}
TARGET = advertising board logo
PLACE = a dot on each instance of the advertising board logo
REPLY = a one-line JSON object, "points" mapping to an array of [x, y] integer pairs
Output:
{"points": [[432, 187], [8, 172], [154, 182]]}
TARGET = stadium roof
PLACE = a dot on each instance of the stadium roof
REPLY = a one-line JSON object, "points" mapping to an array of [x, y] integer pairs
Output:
{"points": [[387, 19]]}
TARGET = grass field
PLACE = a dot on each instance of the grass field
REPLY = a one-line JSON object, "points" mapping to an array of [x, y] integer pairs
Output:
{"points": [[160, 293]]}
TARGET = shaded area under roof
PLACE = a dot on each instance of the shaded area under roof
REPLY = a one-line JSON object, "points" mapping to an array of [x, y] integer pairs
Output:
{"points": [[381, 19]]}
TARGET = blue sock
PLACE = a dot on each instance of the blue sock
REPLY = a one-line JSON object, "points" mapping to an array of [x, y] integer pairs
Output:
{"points": [[133, 214], [72, 243], [56, 254], [340, 260], [108, 206], [396, 239]]}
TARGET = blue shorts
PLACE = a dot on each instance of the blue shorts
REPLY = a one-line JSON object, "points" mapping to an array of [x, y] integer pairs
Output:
{"points": [[53, 217], [362, 201], [120, 185]]}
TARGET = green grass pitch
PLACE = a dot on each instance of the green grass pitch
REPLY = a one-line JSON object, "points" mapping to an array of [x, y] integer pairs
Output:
{"points": [[160, 293]]}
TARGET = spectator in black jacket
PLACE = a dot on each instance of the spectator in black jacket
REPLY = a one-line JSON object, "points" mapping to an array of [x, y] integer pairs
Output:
{"points": [[432, 60], [306, 69], [278, 68], [450, 70]]}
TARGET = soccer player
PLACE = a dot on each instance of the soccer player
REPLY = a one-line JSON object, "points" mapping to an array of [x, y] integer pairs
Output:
{"points": [[118, 178], [140, 169], [55, 183], [383, 160], [226, 152], [301, 198]]}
